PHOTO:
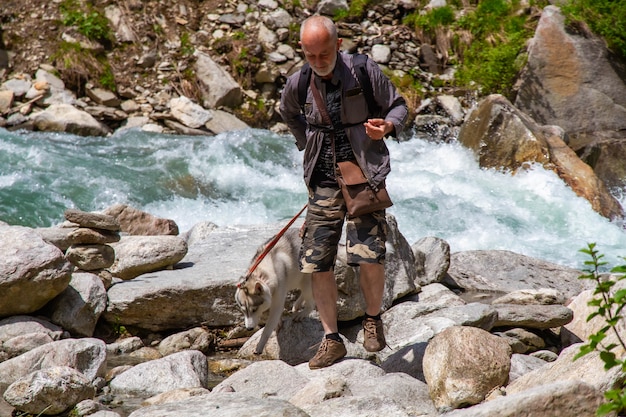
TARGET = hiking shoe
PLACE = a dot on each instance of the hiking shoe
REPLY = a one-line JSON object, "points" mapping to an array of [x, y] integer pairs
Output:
{"points": [[373, 335], [329, 352]]}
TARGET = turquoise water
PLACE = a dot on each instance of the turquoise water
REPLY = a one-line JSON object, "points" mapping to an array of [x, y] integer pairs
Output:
{"points": [[254, 177]]}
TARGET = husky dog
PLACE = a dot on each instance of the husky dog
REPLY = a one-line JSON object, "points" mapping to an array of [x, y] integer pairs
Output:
{"points": [[267, 286]]}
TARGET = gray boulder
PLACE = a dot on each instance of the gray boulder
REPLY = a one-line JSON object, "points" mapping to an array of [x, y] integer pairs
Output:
{"points": [[32, 272]]}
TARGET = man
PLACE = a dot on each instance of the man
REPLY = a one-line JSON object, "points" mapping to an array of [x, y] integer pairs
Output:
{"points": [[356, 135]]}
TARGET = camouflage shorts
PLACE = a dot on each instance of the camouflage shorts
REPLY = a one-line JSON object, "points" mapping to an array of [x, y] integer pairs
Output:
{"points": [[365, 235]]}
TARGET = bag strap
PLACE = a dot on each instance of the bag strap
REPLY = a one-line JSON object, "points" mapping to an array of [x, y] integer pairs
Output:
{"points": [[321, 106]]}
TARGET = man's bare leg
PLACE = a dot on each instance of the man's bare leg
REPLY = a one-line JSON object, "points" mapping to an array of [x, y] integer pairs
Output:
{"points": [[372, 280], [331, 348], [325, 295]]}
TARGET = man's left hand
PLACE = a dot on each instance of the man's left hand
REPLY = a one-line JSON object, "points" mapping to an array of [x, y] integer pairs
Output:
{"points": [[377, 129]]}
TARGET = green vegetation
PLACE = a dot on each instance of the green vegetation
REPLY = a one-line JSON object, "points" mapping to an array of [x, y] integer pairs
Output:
{"points": [[486, 43], [608, 303], [239, 35], [606, 18], [186, 47], [77, 66], [356, 10], [89, 22], [429, 22]]}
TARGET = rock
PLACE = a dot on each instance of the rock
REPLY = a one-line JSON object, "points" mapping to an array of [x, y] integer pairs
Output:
{"points": [[204, 294], [505, 138], [220, 88], [137, 222], [122, 27], [532, 316], [186, 369], [49, 391], [581, 178], [224, 122], [569, 81], [66, 118], [57, 236], [6, 101], [188, 113], [455, 382], [229, 405], [433, 254], [103, 97], [136, 255], [505, 271], [452, 107], [180, 394], [83, 235], [78, 308], [566, 399], [197, 338], [23, 343], [588, 369], [91, 257], [92, 220], [294, 342], [541, 296], [32, 272], [16, 326], [87, 356], [381, 54]]}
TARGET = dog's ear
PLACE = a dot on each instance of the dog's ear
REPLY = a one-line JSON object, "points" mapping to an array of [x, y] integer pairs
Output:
{"points": [[242, 284], [258, 288]]}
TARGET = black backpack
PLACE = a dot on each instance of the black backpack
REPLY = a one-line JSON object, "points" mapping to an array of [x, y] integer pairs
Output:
{"points": [[359, 62]]}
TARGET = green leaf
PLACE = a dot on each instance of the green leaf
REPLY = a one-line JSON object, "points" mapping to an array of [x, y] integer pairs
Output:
{"points": [[609, 360], [584, 350]]}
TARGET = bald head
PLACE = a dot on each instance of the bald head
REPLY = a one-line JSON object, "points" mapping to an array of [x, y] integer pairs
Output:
{"points": [[318, 26], [320, 43]]}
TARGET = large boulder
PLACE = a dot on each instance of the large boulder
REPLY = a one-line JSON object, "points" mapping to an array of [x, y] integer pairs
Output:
{"points": [[87, 356], [501, 272], [571, 81], [64, 117], [505, 138], [32, 272], [201, 290], [464, 364], [218, 86]]}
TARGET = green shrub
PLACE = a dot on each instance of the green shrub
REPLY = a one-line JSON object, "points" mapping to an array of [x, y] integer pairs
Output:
{"points": [[356, 10], [434, 18], [606, 18], [90, 22], [608, 304]]}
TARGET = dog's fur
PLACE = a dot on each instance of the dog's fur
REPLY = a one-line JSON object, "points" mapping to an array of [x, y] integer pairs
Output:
{"points": [[267, 287]]}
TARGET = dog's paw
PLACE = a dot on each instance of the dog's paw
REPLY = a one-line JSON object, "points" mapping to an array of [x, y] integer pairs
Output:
{"points": [[256, 352]]}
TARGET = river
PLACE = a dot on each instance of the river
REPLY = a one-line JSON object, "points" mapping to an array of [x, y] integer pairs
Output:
{"points": [[254, 177]]}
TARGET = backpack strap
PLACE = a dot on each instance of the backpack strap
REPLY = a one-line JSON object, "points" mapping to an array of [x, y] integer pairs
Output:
{"points": [[303, 84], [359, 64]]}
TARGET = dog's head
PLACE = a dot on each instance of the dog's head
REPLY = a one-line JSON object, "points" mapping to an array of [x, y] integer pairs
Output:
{"points": [[253, 298]]}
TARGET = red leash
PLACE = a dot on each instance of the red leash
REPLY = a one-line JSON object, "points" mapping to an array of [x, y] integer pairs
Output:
{"points": [[270, 245]]}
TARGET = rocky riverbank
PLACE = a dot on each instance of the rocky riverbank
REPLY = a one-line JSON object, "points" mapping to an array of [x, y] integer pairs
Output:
{"points": [[488, 330]]}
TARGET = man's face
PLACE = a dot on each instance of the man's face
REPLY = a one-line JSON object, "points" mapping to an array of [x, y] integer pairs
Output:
{"points": [[320, 51]]}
